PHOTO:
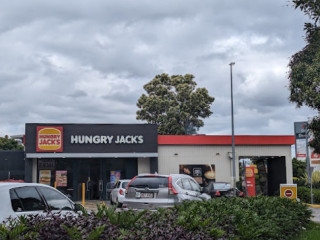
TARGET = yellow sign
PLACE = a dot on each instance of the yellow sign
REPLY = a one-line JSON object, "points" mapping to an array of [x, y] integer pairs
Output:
{"points": [[288, 191]]}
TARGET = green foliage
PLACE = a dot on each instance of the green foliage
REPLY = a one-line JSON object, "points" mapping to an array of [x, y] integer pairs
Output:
{"points": [[314, 126], [298, 167], [174, 104], [246, 218], [312, 232], [224, 218], [9, 144], [12, 231], [304, 74], [73, 232], [304, 195], [123, 219], [315, 178], [310, 8]]}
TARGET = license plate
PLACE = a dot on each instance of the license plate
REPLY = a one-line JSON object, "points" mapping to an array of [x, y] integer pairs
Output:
{"points": [[144, 195]]}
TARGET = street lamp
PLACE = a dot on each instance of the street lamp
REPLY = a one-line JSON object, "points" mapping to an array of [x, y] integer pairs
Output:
{"points": [[232, 126]]}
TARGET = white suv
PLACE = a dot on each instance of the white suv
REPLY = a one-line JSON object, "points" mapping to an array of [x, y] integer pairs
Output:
{"points": [[32, 198]]}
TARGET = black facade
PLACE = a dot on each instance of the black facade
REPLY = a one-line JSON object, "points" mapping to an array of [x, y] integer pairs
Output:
{"points": [[12, 165], [88, 153]]}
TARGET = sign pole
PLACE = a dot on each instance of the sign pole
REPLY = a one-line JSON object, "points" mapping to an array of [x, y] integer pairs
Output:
{"points": [[308, 164]]}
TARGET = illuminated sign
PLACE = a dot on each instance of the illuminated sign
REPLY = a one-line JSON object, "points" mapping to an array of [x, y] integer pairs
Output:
{"points": [[49, 139]]}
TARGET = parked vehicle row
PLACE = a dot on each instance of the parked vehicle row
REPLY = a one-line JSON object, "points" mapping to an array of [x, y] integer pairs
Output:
{"points": [[145, 191]]}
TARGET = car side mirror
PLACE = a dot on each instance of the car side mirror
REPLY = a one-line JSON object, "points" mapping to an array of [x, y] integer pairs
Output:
{"points": [[77, 207]]}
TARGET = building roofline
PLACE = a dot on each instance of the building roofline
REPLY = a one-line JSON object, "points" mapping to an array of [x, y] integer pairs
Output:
{"points": [[226, 140]]}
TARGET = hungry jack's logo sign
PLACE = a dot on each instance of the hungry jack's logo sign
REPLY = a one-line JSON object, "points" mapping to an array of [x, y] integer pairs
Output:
{"points": [[49, 139]]}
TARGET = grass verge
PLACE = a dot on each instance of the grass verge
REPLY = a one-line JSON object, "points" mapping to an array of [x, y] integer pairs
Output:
{"points": [[311, 233]]}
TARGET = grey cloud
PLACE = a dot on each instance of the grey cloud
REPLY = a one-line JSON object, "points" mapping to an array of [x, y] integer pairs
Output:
{"points": [[87, 61], [77, 94]]}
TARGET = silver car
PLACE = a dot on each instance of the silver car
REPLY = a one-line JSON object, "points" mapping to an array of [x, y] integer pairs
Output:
{"points": [[151, 191]]}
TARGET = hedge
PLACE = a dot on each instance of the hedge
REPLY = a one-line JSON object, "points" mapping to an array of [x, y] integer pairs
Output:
{"points": [[223, 218], [305, 196]]}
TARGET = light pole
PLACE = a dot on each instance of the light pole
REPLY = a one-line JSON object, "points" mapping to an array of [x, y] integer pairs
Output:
{"points": [[232, 126]]}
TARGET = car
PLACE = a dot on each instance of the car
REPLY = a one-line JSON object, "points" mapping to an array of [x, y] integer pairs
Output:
{"points": [[222, 189], [32, 198], [117, 194], [152, 191]]}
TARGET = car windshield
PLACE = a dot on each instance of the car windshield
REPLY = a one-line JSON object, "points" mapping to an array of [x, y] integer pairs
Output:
{"points": [[222, 186], [150, 182]]}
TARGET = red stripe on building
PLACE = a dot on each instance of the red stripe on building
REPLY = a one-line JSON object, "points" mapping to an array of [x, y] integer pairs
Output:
{"points": [[225, 140]]}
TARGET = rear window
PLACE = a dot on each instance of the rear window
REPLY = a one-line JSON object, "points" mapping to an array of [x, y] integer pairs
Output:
{"points": [[29, 197], [124, 184], [150, 182]]}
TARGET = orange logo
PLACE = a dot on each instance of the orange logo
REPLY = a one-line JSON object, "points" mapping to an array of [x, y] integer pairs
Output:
{"points": [[249, 172], [49, 139]]}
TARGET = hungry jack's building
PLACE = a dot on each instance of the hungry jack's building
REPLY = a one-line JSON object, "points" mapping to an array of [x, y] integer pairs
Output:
{"points": [[71, 154]]}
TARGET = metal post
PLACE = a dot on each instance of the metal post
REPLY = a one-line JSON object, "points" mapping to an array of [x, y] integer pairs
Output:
{"points": [[232, 123], [309, 172]]}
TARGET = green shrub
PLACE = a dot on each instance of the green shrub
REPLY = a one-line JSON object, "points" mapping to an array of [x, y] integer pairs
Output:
{"points": [[223, 218], [305, 196]]}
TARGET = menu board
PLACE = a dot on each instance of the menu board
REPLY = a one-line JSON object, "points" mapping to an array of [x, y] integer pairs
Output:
{"points": [[61, 178], [203, 174], [45, 177]]}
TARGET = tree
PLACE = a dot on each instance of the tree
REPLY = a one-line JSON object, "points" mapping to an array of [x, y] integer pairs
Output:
{"points": [[9, 144], [304, 74], [175, 104], [299, 168]]}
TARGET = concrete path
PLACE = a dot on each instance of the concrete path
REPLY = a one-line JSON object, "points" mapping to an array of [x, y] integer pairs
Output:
{"points": [[315, 213], [91, 205]]}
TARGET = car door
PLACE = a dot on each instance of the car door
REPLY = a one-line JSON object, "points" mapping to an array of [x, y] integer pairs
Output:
{"points": [[190, 193], [56, 201], [26, 201]]}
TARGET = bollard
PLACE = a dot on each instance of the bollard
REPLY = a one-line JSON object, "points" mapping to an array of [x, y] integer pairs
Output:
{"points": [[55, 185]]}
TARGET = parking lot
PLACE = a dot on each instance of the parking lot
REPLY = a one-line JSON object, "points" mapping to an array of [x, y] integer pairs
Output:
{"points": [[91, 205]]}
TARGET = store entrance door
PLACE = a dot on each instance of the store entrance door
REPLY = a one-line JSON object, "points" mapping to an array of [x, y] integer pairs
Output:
{"points": [[90, 174]]}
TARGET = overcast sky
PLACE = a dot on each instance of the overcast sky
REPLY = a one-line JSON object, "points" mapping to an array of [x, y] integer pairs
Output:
{"points": [[87, 61]]}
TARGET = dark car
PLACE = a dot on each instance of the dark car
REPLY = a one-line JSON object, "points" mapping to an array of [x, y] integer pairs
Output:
{"points": [[223, 189]]}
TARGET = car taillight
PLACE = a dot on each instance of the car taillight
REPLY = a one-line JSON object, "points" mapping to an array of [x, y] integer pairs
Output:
{"points": [[121, 192], [172, 191], [129, 184], [217, 194]]}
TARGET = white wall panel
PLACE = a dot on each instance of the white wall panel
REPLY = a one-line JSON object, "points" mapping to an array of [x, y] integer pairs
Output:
{"points": [[171, 156]]}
